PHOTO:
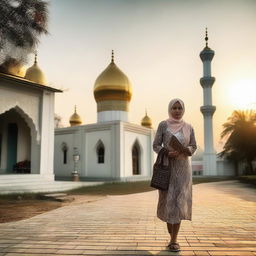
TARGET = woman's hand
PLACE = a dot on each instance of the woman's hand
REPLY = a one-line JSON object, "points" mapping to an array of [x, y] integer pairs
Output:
{"points": [[173, 153]]}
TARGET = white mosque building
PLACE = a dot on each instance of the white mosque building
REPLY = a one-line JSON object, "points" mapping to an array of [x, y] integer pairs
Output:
{"points": [[26, 124], [113, 148]]}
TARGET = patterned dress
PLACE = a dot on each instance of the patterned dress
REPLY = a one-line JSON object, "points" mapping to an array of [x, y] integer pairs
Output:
{"points": [[175, 204]]}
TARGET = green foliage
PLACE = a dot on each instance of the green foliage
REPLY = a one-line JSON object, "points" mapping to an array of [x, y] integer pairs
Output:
{"points": [[240, 130], [21, 23]]}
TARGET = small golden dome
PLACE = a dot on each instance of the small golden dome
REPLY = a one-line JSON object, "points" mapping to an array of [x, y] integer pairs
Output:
{"points": [[75, 119], [112, 84], [35, 74], [146, 121]]}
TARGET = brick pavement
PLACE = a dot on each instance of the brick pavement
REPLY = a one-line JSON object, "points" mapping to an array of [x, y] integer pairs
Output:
{"points": [[224, 223]]}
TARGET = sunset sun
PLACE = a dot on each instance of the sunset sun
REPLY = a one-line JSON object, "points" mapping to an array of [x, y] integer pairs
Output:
{"points": [[243, 94]]}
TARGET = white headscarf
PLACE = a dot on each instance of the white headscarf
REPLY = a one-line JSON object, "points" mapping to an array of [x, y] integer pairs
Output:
{"points": [[177, 124]]}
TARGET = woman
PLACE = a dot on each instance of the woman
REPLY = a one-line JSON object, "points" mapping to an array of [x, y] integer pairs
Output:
{"points": [[175, 204]]}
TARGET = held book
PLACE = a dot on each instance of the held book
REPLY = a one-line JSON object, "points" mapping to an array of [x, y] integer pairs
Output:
{"points": [[177, 146]]}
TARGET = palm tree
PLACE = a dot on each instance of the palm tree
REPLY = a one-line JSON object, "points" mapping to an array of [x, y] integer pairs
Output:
{"points": [[241, 142], [21, 23]]}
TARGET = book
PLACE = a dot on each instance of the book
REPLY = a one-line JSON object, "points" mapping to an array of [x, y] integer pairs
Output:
{"points": [[175, 144]]}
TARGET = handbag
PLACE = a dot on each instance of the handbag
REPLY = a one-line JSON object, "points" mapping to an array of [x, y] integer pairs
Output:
{"points": [[161, 172]]}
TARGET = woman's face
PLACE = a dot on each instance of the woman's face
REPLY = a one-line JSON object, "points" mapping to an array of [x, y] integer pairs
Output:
{"points": [[176, 111]]}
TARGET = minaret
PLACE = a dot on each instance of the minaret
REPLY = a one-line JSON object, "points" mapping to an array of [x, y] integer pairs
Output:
{"points": [[209, 158]]}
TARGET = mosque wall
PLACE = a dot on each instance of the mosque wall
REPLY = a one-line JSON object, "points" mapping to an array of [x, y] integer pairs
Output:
{"points": [[142, 137], [24, 104], [85, 140], [117, 139], [28, 100], [92, 167], [63, 142]]}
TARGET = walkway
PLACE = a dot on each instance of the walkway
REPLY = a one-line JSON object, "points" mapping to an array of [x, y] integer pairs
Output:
{"points": [[224, 223]]}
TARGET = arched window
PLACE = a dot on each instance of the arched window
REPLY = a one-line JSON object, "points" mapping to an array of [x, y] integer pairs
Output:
{"points": [[65, 152], [136, 158], [100, 152]]}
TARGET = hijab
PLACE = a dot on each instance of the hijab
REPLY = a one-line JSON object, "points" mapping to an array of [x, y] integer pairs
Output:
{"points": [[176, 125]]}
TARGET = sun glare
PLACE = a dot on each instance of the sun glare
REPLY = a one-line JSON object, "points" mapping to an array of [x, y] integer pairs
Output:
{"points": [[243, 94]]}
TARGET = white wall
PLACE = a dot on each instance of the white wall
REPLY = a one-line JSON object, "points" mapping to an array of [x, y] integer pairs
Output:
{"points": [[36, 106], [86, 138], [47, 135], [132, 133], [61, 169], [26, 99], [118, 139], [92, 167]]}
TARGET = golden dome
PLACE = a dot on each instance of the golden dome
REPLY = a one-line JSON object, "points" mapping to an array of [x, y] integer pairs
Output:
{"points": [[146, 121], [75, 119], [112, 84], [35, 74]]}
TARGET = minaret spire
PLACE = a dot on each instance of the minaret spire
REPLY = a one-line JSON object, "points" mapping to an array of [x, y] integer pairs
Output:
{"points": [[112, 56], [35, 62], [206, 37]]}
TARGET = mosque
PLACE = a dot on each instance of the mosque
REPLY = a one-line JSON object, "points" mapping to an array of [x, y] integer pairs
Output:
{"points": [[110, 149], [113, 148], [26, 123]]}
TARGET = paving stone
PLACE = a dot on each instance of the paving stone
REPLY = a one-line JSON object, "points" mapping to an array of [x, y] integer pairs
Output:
{"points": [[224, 223]]}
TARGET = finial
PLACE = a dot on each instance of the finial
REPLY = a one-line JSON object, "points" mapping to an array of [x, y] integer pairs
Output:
{"points": [[112, 56], [206, 37], [75, 108], [35, 62], [146, 111]]}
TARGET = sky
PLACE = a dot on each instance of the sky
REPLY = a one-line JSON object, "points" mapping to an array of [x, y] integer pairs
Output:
{"points": [[157, 45]]}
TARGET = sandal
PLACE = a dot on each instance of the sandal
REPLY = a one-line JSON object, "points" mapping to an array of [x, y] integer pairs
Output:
{"points": [[174, 247]]}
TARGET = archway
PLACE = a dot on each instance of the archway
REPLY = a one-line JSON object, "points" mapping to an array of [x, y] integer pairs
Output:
{"points": [[15, 143]]}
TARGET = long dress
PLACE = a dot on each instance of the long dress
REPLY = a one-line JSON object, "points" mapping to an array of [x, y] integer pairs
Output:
{"points": [[175, 204]]}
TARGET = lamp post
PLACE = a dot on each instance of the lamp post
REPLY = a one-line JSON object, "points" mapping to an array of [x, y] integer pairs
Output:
{"points": [[76, 158]]}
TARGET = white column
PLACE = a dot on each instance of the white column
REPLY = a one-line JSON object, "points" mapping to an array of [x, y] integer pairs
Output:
{"points": [[208, 142], [207, 68], [47, 135], [207, 96]]}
